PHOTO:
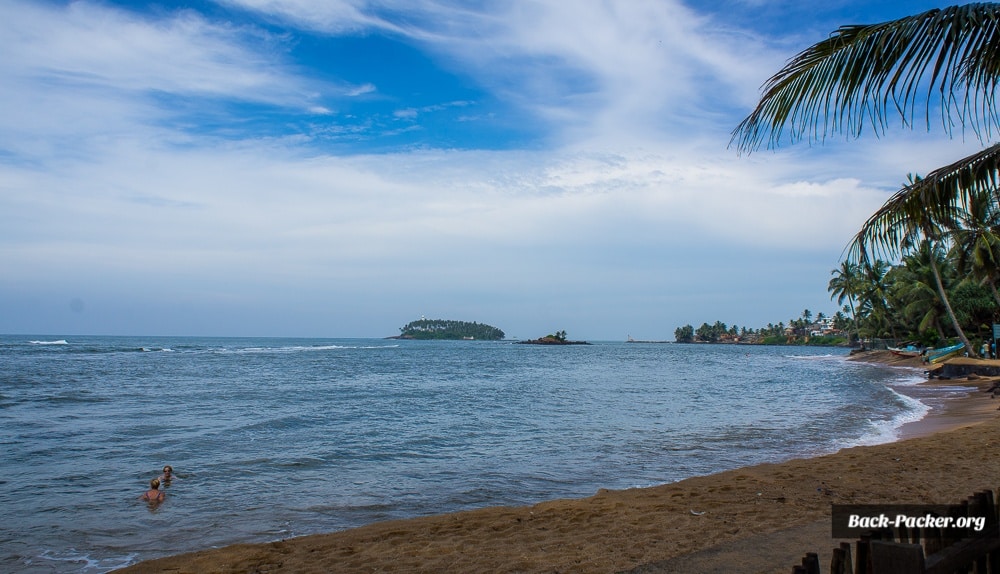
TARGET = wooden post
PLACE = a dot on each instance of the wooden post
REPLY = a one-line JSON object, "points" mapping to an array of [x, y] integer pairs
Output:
{"points": [[864, 563], [978, 506], [848, 563], [993, 559], [811, 563], [841, 561]]}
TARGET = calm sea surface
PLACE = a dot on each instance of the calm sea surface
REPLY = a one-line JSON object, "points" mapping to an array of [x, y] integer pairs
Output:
{"points": [[274, 438]]}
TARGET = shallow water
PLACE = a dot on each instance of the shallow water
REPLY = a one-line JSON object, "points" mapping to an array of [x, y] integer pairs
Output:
{"points": [[274, 438]]}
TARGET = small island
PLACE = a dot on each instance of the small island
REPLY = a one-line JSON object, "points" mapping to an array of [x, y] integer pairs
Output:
{"points": [[442, 329], [559, 338]]}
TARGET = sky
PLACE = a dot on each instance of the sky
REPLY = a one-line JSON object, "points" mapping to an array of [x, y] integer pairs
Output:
{"points": [[339, 168]]}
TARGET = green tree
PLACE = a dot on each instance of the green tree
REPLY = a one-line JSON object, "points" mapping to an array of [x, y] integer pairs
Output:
{"points": [[706, 333], [846, 284], [684, 334], [912, 286], [873, 316], [842, 322], [977, 241]]}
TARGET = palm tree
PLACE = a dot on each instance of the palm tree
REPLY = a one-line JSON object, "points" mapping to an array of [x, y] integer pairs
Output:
{"points": [[977, 241], [912, 284], [846, 284], [919, 229], [870, 73], [905, 227], [841, 321], [873, 308]]}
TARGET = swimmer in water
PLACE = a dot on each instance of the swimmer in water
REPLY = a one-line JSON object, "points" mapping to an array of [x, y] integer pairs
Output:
{"points": [[154, 495]]}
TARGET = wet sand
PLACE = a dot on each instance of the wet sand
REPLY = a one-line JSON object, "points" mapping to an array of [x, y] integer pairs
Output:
{"points": [[755, 519]]}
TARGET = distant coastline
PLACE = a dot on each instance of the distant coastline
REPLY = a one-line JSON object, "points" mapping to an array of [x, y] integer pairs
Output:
{"points": [[631, 340]]}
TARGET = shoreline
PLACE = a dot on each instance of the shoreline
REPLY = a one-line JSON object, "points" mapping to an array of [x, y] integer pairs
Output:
{"points": [[953, 412], [743, 514]]}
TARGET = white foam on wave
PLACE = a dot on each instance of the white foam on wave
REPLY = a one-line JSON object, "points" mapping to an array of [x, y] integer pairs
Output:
{"points": [[59, 342], [85, 563], [888, 431], [909, 378], [299, 348]]}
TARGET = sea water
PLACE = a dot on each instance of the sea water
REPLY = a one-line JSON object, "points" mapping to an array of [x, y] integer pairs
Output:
{"points": [[275, 438]]}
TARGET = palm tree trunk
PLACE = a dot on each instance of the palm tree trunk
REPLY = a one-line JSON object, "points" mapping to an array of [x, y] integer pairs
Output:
{"points": [[996, 294], [854, 320], [947, 306]]}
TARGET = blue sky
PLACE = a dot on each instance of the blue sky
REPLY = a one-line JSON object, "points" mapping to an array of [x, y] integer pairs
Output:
{"points": [[340, 168]]}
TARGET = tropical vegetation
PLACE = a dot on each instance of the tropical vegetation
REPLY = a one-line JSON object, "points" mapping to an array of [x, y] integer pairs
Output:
{"points": [[925, 265], [447, 329], [803, 330]]}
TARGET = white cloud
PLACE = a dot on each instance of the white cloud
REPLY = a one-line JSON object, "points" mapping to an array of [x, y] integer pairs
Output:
{"points": [[83, 73], [332, 16], [360, 90], [92, 46]]}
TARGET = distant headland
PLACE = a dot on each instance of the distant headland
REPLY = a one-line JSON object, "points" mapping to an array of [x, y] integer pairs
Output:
{"points": [[445, 329]]}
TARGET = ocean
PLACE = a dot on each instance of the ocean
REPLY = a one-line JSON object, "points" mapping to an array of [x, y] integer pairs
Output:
{"points": [[276, 438]]}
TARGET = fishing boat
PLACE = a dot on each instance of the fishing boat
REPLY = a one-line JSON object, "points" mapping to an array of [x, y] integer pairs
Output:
{"points": [[907, 351], [938, 355]]}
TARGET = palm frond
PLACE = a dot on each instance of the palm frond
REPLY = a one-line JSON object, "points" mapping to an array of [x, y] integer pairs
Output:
{"points": [[868, 74], [934, 202]]}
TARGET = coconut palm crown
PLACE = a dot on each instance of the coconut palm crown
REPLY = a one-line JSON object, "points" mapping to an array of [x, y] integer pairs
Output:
{"points": [[867, 75]]}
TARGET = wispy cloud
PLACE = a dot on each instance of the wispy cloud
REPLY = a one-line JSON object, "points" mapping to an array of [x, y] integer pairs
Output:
{"points": [[591, 67], [87, 45]]}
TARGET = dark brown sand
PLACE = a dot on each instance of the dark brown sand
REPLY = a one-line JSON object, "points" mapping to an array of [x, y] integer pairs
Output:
{"points": [[756, 519]]}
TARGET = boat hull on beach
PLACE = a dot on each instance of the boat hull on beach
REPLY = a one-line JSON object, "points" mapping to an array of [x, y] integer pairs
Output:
{"points": [[938, 355]]}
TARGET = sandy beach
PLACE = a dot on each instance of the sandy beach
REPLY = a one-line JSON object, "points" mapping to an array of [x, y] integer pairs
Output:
{"points": [[755, 519]]}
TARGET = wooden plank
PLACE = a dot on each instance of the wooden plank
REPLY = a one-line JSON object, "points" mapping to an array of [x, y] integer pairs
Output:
{"points": [[932, 541], [963, 552], [896, 558]]}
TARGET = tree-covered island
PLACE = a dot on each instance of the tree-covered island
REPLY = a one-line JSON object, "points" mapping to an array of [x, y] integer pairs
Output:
{"points": [[558, 338], [426, 329]]}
